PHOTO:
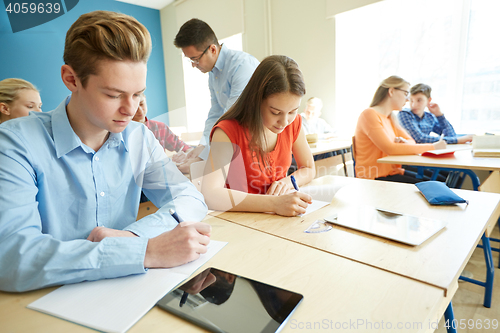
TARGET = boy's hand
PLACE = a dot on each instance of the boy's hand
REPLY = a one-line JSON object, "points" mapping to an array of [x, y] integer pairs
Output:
{"points": [[99, 233], [186, 165], [179, 157], [178, 246], [195, 152], [465, 138], [434, 109]]}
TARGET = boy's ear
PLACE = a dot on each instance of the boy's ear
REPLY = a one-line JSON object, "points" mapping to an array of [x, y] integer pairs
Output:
{"points": [[69, 78], [429, 100], [4, 108]]}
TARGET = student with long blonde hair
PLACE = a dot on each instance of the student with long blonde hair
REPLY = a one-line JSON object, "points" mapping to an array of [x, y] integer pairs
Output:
{"points": [[17, 98], [378, 134], [252, 145]]}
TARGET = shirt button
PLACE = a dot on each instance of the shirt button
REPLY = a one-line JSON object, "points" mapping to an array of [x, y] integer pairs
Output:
{"points": [[101, 194], [96, 158]]}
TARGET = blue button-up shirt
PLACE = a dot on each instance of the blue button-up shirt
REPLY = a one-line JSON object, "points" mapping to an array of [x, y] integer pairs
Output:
{"points": [[226, 81], [54, 190], [421, 128]]}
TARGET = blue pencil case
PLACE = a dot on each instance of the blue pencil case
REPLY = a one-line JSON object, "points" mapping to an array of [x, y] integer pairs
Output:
{"points": [[437, 193]]}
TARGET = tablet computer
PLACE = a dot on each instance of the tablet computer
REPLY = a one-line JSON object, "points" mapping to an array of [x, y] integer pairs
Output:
{"points": [[400, 227], [223, 302]]}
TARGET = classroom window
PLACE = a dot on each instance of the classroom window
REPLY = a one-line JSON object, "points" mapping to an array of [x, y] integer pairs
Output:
{"points": [[196, 88], [444, 43]]}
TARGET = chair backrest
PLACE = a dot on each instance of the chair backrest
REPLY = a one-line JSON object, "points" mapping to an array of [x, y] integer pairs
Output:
{"points": [[196, 170], [353, 154]]}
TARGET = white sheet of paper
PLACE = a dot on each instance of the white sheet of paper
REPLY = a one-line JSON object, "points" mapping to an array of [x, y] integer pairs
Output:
{"points": [[114, 305], [316, 204]]}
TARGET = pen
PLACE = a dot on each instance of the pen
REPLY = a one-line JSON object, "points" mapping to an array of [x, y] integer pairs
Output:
{"points": [[441, 138], [183, 299], [175, 216], [294, 183], [179, 220]]}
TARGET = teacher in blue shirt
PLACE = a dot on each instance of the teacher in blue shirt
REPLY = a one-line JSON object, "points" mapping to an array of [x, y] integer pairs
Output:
{"points": [[71, 178], [228, 74]]}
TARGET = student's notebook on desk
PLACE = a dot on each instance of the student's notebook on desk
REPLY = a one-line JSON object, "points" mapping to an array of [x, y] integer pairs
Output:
{"points": [[486, 146], [114, 305], [447, 152], [400, 227]]}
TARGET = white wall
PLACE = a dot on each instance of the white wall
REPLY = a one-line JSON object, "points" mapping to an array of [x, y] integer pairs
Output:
{"points": [[301, 29]]}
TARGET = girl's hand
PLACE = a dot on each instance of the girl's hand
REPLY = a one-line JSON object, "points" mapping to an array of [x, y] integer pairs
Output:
{"points": [[280, 187], [399, 139], [292, 204]]}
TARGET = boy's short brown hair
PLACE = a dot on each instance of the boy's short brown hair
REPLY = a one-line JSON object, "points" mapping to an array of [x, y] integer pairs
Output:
{"points": [[101, 35], [422, 89]]}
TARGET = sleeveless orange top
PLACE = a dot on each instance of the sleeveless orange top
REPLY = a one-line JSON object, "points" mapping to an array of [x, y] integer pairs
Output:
{"points": [[247, 173]]}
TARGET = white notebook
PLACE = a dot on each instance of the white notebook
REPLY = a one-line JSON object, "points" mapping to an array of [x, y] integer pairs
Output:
{"points": [[114, 305]]}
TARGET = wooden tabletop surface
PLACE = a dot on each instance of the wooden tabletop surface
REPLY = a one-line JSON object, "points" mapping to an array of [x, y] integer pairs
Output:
{"points": [[438, 261], [336, 291]]}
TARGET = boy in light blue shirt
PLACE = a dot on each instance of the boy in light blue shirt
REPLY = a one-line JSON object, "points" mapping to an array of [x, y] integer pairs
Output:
{"points": [[71, 178]]}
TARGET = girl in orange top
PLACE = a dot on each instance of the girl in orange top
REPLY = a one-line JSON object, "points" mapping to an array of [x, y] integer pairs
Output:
{"points": [[252, 144], [379, 134]]}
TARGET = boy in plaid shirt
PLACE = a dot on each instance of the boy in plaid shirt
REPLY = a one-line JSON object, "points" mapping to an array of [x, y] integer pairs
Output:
{"points": [[420, 123]]}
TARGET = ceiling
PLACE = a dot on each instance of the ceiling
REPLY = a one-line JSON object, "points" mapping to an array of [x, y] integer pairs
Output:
{"points": [[155, 4]]}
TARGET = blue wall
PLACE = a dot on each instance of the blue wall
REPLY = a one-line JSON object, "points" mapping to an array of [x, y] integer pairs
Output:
{"points": [[36, 54]]}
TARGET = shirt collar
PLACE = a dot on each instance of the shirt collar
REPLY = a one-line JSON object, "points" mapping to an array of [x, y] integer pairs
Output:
{"points": [[221, 59], [66, 140]]}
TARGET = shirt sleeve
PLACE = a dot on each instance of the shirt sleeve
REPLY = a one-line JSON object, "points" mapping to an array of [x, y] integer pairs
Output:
{"points": [[167, 138], [166, 187], [31, 258], [409, 123], [375, 130], [443, 126]]}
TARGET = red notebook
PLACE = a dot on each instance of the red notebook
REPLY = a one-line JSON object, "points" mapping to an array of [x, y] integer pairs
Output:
{"points": [[448, 152]]}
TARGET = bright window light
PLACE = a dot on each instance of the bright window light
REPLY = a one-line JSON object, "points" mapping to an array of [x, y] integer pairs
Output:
{"points": [[443, 43]]}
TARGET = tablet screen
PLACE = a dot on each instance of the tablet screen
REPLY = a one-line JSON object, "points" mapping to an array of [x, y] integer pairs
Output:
{"points": [[223, 302]]}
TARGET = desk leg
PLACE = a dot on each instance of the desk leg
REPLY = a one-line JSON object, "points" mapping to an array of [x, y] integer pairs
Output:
{"points": [[490, 272], [343, 162], [449, 319]]}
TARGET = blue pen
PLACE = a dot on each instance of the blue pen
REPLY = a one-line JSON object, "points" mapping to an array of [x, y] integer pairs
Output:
{"points": [[294, 183], [179, 220], [175, 216]]}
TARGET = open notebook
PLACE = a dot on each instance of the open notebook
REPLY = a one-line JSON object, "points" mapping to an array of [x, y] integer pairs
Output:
{"points": [[447, 152]]}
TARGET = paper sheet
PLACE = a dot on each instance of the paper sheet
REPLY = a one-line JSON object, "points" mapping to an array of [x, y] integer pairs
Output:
{"points": [[114, 305], [316, 204]]}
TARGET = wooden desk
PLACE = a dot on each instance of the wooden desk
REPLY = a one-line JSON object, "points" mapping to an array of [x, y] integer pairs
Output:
{"points": [[438, 261], [462, 159], [331, 145], [327, 146], [335, 289]]}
